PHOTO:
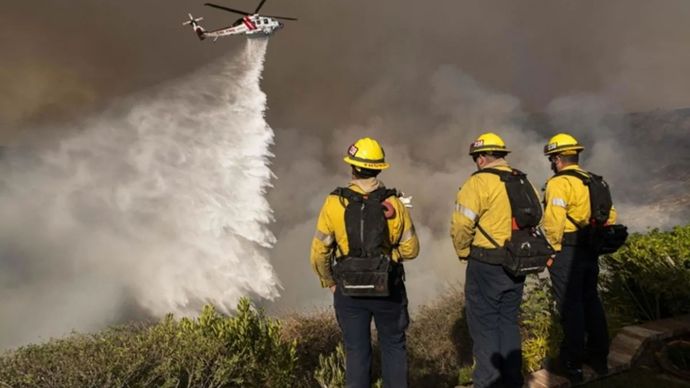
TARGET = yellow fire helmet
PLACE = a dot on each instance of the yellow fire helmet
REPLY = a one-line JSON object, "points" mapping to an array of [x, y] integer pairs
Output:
{"points": [[488, 142], [563, 144], [366, 153]]}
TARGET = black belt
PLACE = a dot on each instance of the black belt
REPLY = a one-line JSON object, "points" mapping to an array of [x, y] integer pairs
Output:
{"points": [[489, 256], [578, 238]]}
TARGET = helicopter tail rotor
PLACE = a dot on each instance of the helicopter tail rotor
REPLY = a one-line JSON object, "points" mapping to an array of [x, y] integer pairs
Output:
{"points": [[194, 22]]}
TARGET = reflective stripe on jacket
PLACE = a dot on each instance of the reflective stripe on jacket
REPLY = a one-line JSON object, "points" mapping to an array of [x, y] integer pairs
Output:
{"points": [[482, 197], [331, 237], [564, 196]]}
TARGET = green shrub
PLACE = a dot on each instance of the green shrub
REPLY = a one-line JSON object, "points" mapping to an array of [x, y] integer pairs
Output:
{"points": [[647, 278], [331, 370], [107, 359], [465, 375], [211, 351], [315, 334], [540, 328]]}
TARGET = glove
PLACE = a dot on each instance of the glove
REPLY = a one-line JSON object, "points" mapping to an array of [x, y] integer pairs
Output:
{"points": [[406, 201]]}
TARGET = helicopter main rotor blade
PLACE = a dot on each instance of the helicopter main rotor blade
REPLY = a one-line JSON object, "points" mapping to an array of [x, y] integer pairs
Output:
{"points": [[261, 4], [227, 9], [280, 17]]}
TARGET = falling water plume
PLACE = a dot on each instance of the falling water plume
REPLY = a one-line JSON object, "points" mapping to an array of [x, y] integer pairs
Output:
{"points": [[159, 200]]}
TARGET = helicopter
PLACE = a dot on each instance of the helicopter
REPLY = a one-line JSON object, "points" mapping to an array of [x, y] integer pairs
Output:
{"points": [[250, 24]]}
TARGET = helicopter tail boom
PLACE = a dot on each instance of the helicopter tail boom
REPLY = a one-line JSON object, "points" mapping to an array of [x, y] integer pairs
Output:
{"points": [[194, 22]]}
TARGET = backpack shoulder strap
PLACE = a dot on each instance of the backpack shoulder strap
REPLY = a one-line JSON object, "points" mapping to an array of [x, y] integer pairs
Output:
{"points": [[347, 193], [501, 173], [516, 172], [494, 171], [595, 176], [584, 177], [380, 194], [585, 181], [487, 235]]}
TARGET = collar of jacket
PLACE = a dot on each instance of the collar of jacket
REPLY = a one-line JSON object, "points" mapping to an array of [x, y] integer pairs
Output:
{"points": [[366, 185], [572, 167], [497, 163]]}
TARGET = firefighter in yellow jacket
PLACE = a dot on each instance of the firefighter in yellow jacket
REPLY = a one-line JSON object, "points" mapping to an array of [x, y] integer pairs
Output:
{"points": [[366, 223], [574, 272], [492, 296]]}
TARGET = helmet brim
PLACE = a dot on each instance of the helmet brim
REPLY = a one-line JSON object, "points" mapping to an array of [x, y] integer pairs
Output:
{"points": [[489, 149], [571, 149], [364, 164]]}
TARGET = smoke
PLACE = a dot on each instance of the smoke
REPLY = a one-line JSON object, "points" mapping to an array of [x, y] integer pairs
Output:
{"points": [[74, 57], [159, 200], [426, 136], [637, 159], [423, 80], [427, 147]]}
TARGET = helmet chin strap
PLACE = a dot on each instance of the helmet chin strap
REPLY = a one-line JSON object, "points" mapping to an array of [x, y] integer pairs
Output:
{"points": [[363, 173]]}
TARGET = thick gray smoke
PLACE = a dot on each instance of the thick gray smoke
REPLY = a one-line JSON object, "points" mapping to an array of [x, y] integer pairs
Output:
{"points": [[425, 79], [427, 145], [159, 200]]}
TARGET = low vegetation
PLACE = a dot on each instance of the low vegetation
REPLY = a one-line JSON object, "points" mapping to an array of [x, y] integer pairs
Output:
{"points": [[647, 279], [212, 351]]}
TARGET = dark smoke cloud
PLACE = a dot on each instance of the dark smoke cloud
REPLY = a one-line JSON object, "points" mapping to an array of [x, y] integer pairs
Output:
{"points": [[62, 58], [425, 78]]}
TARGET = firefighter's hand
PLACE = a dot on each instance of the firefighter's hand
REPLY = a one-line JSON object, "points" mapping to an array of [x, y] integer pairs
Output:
{"points": [[332, 289], [406, 201]]}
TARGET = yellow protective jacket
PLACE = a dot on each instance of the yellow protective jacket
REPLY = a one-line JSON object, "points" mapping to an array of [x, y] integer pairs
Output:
{"points": [[482, 197], [566, 196], [331, 234]]}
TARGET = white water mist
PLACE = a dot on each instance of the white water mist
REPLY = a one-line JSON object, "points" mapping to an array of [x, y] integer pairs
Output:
{"points": [[159, 200]]}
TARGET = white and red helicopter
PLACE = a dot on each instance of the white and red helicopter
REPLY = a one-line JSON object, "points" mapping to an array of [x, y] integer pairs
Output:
{"points": [[250, 24]]}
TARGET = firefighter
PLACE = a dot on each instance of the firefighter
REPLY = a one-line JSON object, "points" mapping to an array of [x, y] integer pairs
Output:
{"points": [[574, 272], [492, 296], [398, 242]]}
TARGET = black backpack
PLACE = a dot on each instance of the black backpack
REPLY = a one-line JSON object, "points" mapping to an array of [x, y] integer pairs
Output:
{"points": [[366, 269], [603, 238], [527, 251]]}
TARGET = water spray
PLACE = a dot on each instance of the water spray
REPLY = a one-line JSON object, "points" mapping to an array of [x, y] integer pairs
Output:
{"points": [[159, 200]]}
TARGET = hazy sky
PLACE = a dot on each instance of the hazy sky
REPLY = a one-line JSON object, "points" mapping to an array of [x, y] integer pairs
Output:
{"points": [[60, 58]]}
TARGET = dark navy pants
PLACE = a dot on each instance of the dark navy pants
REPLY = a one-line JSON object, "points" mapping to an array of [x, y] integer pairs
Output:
{"points": [[574, 275], [391, 318], [492, 305]]}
